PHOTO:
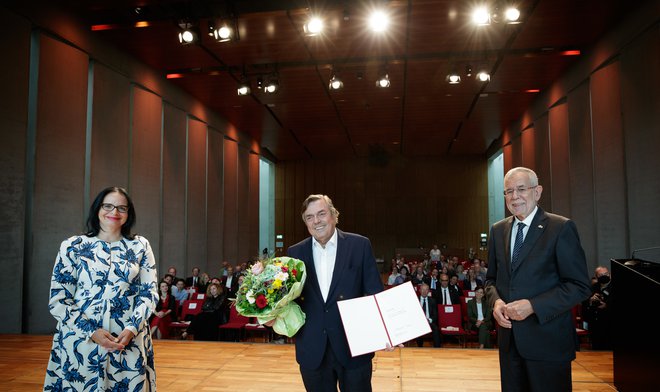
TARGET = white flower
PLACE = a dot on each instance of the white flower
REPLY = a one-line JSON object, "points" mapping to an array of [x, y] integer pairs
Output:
{"points": [[250, 296], [283, 276]]}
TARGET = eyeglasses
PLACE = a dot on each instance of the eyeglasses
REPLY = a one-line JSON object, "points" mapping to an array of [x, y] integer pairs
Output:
{"points": [[444, 280], [109, 207], [521, 190]]}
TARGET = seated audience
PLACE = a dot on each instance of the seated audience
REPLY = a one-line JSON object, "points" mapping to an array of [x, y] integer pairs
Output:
{"points": [[165, 312], [445, 296], [169, 278], [194, 280], [230, 282], [419, 277], [480, 317], [403, 276], [454, 286], [472, 281], [204, 326], [393, 275]]}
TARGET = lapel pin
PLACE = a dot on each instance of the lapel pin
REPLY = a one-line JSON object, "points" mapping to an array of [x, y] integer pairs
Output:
{"points": [[540, 226]]}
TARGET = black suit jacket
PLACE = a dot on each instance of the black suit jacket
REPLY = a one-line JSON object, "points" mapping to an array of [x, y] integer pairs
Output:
{"points": [[433, 309], [453, 296], [355, 275], [189, 282], [551, 273]]}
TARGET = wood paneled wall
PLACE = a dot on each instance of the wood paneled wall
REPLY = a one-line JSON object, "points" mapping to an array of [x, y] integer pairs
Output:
{"points": [[594, 138], [73, 125], [406, 204]]}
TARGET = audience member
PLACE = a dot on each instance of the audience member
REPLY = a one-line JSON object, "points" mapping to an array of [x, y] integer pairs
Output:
{"points": [[419, 277], [454, 286], [392, 278], [434, 283], [480, 317], [169, 278], [434, 254], [403, 276], [164, 313], [172, 271], [194, 280], [430, 309], [472, 281], [204, 326], [205, 280], [230, 282], [596, 310], [180, 292], [444, 296]]}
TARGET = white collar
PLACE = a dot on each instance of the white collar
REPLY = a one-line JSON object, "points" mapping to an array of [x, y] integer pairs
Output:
{"points": [[332, 241]]}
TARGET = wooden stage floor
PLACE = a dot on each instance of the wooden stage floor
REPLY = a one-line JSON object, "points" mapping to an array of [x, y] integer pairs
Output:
{"points": [[223, 366]]}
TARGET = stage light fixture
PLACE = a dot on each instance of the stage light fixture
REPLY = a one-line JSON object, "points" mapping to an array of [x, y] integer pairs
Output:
{"points": [[512, 15], [379, 21], [313, 27], [383, 81], [335, 83], [224, 33], [187, 33], [271, 87], [483, 76], [454, 78], [481, 16], [243, 89]]}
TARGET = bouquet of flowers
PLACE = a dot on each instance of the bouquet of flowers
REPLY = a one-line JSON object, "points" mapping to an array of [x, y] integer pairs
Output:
{"points": [[268, 291]]}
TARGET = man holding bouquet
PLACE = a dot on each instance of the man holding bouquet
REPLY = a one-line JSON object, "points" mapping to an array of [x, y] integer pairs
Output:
{"points": [[340, 266]]}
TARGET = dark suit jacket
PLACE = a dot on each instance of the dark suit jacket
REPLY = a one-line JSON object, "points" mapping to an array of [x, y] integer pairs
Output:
{"points": [[189, 282], [433, 309], [453, 295], [473, 314], [231, 291], [355, 275], [551, 273]]}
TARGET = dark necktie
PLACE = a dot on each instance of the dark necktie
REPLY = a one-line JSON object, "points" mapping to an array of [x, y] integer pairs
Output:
{"points": [[518, 244], [444, 296], [425, 305]]}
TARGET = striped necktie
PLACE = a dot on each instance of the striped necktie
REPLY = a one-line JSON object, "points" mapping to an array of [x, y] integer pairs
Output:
{"points": [[518, 244]]}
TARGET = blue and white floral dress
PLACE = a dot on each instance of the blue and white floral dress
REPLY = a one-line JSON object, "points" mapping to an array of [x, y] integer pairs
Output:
{"points": [[97, 284]]}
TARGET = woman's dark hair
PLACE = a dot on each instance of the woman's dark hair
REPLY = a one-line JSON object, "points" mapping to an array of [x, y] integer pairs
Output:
{"points": [[169, 289], [93, 224]]}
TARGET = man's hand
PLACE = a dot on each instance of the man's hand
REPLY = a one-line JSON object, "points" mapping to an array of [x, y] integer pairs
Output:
{"points": [[389, 348], [519, 310], [105, 339], [500, 314]]}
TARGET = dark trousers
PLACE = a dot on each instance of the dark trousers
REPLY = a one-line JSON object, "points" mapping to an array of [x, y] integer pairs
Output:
{"points": [[326, 376], [523, 375], [435, 332]]}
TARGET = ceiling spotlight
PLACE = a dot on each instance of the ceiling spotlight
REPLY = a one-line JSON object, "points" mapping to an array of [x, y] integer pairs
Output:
{"points": [[468, 70], [187, 33], [271, 87], [512, 15], [335, 83], [224, 33], [378, 21], [481, 16], [453, 78], [383, 81], [243, 89], [483, 76], [313, 27]]}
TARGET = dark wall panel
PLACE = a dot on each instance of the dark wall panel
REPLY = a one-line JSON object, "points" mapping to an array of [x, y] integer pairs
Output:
{"points": [[173, 245], [581, 168], [13, 116], [59, 169], [542, 157], [253, 205], [110, 130], [609, 165], [214, 199], [641, 124], [407, 203], [145, 184], [230, 231], [196, 233], [242, 193], [528, 140], [559, 154]]}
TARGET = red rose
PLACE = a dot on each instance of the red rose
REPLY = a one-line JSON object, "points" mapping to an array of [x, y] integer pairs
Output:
{"points": [[294, 272], [285, 269], [261, 301]]}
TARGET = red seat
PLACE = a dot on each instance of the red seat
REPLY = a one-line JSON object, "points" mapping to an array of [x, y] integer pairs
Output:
{"points": [[236, 323], [450, 322], [255, 328], [189, 308]]}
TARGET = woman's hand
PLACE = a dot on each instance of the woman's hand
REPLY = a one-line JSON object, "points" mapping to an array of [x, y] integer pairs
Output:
{"points": [[105, 339], [125, 337]]}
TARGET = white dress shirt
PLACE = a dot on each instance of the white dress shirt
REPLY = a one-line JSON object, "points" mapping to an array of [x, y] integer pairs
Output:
{"points": [[324, 262], [527, 222], [445, 295]]}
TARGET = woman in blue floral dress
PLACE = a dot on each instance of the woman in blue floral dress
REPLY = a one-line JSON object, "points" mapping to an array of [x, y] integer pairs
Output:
{"points": [[102, 292]]}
